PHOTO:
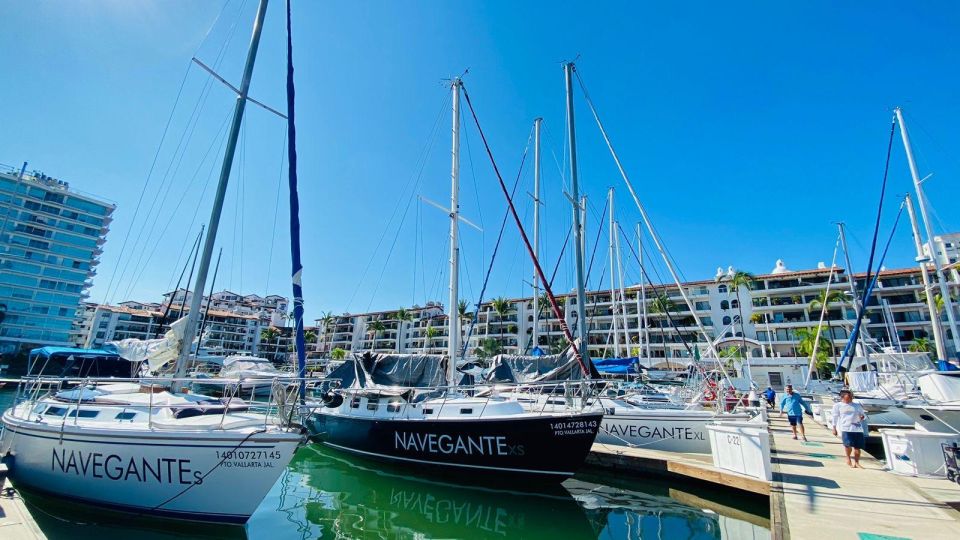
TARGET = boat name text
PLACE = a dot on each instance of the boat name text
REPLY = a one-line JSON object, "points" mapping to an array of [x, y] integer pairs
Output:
{"points": [[114, 467], [432, 443]]}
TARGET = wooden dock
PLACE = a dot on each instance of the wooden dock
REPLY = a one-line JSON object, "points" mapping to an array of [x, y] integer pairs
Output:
{"points": [[16, 523], [814, 494]]}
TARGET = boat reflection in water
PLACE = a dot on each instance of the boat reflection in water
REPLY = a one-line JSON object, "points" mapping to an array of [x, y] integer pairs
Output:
{"points": [[330, 494]]}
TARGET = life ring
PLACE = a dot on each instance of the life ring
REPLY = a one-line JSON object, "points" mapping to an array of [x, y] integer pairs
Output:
{"points": [[709, 395]]}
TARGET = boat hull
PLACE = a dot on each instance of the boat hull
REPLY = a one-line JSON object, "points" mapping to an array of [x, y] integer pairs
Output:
{"points": [[548, 447], [160, 474], [671, 431], [937, 419]]}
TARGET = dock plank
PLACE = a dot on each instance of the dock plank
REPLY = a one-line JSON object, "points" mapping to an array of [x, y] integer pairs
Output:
{"points": [[821, 494], [16, 523]]}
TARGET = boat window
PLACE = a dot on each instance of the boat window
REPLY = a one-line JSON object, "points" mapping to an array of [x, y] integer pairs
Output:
{"points": [[466, 411], [393, 407], [126, 415], [83, 413], [56, 411], [373, 403], [428, 411], [355, 403]]}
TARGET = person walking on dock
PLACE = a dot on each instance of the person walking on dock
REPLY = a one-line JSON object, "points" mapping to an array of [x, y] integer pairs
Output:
{"points": [[848, 419], [770, 395], [793, 405]]}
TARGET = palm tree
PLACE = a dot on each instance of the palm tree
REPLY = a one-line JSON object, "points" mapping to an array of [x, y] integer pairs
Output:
{"points": [[488, 349], [922, 344], [823, 300], [374, 328], [403, 316], [310, 336], [730, 354], [432, 332], [805, 339], [328, 320], [338, 354], [664, 305], [740, 279], [938, 303], [502, 307], [269, 334]]}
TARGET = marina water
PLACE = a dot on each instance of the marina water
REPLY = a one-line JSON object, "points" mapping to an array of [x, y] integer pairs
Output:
{"points": [[328, 494]]}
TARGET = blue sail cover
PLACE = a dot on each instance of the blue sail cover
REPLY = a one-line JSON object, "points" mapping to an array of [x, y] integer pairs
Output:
{"points": [[617, 366], [297, 270]]}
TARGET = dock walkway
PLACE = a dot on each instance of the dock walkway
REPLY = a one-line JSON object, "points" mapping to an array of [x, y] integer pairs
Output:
{"points": [[816, 495], [16, 523]]}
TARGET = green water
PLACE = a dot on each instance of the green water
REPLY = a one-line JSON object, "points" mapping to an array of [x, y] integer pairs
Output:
{"points": [[328, 494]]}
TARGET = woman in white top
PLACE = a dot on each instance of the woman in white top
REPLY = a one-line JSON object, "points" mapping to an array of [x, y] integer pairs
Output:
{"points": [[848, 418]]}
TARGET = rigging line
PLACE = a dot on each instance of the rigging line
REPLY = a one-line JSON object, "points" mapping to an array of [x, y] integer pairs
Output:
{"points": [[662, 292], [596, 241], [473, 174], [496, 246], [553, 300], [210, 28], [164, 185], [243, 198], [153, 164], [276, 212], [868, 294], [393, 244], [646, 219], [416, 246], [172, 216], [560, 257], [419, 165], [883, 190]]}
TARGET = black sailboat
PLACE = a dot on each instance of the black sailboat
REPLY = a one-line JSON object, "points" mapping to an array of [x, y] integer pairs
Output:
{"points": [[409, 408]]}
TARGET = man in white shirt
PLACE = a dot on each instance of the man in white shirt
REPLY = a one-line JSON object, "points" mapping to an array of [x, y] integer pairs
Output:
{"points": [[848, 419]]}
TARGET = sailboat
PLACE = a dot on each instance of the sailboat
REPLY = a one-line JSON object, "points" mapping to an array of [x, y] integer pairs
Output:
{"points": [[409, 408], [144, 445]]}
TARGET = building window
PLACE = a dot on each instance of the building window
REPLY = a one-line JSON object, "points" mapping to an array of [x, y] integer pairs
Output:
{"points": [[724, 304], [722, 289], [726, 320]]}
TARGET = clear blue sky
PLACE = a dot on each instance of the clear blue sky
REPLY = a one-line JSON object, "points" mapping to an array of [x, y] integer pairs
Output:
{"points": [[748, 128]]}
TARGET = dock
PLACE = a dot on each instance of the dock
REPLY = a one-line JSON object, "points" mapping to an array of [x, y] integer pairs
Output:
{"points": [[814, 494], [16, 523]]}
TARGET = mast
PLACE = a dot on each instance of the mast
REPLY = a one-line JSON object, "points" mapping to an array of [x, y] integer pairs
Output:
{"points": [[922, 202], [536, 229], [642, 297], [454, 317], [931, 301], [296, 266], [857, 303], [190, 330], [578, 238], [623, 293], [613, 280]]}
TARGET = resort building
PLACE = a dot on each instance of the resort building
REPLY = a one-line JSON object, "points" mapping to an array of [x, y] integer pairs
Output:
{"points": [[767, 318], [51, 238], [233, 324]]}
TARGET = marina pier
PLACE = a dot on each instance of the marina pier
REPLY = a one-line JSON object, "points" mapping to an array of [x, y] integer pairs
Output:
{"points": [[813, 491]]}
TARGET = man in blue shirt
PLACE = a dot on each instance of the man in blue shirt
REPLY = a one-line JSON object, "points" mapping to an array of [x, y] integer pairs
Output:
{"points": [[770, 395], [793, 405]]}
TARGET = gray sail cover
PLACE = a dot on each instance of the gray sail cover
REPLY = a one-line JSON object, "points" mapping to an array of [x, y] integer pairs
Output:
{"points": [[512, 368], [368, 370]]}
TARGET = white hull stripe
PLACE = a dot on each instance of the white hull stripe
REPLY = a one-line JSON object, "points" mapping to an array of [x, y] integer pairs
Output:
{"points": [[425, 462]]}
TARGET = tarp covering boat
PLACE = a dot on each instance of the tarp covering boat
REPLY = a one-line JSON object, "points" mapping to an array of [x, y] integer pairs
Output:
{"points": [[73, 362], [617, 366], [512, 368], [370, 370]]}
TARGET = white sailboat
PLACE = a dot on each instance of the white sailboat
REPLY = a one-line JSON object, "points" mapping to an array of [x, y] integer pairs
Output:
{"points": [[144, 445]]}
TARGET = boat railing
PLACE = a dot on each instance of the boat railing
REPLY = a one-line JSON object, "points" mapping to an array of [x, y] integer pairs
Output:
{"points": [[541, 397], [279, 407]]}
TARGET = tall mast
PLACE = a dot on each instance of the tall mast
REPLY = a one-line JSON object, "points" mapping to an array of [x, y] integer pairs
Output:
{"points": [[857, 304], [931, 301], [922, 202], [453, 331], [536, 229], [642, 297], [613, 279], [578, 238], [190, 330], [623, 294]]}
